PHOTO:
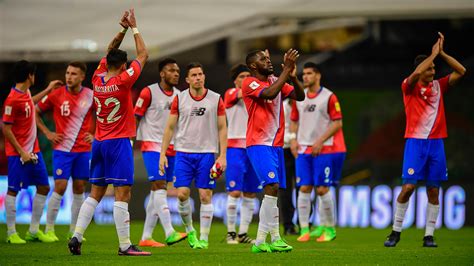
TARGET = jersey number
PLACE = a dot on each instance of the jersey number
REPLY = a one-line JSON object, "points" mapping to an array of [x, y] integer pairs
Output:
{"points": [[65, 111], [111, 118], [27, 110]]}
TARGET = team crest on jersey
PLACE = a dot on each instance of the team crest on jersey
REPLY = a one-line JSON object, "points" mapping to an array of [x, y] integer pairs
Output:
{"points": [[271, 175], [337, 106], [232, 183], [211, 182], [59, 171], [198, 111], [130, 71], [310, 108], [8, 110], [254, 85], [411, 171]]}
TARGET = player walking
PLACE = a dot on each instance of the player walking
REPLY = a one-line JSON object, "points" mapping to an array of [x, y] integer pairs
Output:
{"points": [[152, 110], [197, 120], [263, 95], [318, 146], [72, 112], [112, 155], [424, 158]]}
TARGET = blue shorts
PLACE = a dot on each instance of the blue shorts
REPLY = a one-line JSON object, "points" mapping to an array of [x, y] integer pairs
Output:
{"points": [[197, 166], [268, 163], [239, 175], [152, 161], [112, 162], [424, 160], [21, 176], [322, 170], [71, 164]]}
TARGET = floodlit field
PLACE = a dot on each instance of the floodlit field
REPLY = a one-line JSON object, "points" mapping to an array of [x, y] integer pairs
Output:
{"points": [[352, 246]]}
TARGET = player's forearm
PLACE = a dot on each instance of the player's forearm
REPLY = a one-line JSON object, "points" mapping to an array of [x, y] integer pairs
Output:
{"points": [[115, 43], [142, 52], [453, 63], [294, 127], [37, 97], [298, 93], [272, 91], [334, 126], [423, 66], [42, 127], [7, 131]]}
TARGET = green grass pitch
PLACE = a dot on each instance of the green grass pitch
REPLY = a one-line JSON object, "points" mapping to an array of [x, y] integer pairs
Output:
{"points": [[352, 246]]}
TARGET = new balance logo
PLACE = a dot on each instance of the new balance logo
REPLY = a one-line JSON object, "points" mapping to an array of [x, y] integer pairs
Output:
{"points": [[167, 106], [310, 108], [198, 111]]}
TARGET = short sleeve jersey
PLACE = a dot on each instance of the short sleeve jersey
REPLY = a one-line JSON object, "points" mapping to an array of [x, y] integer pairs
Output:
{"points": [[113, 102]]}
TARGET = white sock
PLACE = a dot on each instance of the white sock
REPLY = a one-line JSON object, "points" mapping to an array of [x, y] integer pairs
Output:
{"points": [[38, 206], [432, 212], [231, 213], [52, 212], [304, 208], [150, 219], [322, 215], [10, 208], [263, 225], [161, 206], [327, 207], [400, 210], [246, 214], [77, 200], [85, 217], [207, 211], [184, 209], [273, 218], [122, 224]]}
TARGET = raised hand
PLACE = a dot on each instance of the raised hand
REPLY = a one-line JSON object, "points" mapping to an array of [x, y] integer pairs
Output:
{"points": [[441, 45], [123, 21], [132, 23], [436, 47], [289, 61]]}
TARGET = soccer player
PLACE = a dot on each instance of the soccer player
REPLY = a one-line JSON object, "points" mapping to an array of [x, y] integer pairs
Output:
{"points": [[152, 110], [25, 161], [240, 176], [424, 158], [72, 111], [112, 155], [197, 120], [317, 142], [263, 94]]}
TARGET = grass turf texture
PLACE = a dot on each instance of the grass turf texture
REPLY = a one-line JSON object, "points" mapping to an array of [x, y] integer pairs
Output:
{"points": [[352, 246]]}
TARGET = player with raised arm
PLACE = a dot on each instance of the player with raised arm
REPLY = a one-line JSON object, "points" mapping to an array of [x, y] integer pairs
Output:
{"points": [[197, 120], [317, 142], [72, 111], [424, 158], [112, 155], [152, 110], [263, 94], [25, 161], [240, 176]]}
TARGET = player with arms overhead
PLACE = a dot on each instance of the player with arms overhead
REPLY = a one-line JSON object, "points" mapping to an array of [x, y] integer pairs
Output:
{"points": [[424, 158], [263, 95], [72, 112], [318, 145], [112, 155], [198, 118], [152, 110], [25, 162]]}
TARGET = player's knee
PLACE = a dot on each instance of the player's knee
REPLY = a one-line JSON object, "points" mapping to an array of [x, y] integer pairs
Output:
{"points": [[182, 195], [322, 190], [235, 194], [159, 184], [205, 196], [306, 189], [271, 189], [60, 187], [12, 193], [250, 195], [433, 195], [42, 190], [78, 189]]}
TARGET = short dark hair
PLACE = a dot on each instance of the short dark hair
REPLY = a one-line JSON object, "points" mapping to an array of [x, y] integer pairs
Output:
{"points": [[116, 58], [81, 65], [313, 66], [418, 59], [237, 69], [193, 65], [250, 58], [165, 62], [22, 69]]}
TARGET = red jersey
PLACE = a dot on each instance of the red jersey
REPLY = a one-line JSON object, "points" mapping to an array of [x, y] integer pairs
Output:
{"points": [[266, 123], [314, 115], [424, 109], [113, 102], [19, 111], [72, 116]]}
